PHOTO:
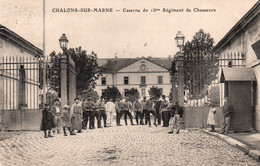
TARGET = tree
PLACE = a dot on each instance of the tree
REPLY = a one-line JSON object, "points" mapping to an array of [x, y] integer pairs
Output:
{"points": [[111, 93], [155, 92], [86, 66], [199, 64], [133, 94]]}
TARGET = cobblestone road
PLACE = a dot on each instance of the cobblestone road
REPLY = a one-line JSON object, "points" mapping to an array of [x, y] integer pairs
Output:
{"points": [[124, 145]]}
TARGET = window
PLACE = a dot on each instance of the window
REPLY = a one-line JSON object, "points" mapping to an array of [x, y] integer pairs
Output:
{"points": [[103, 81], [143, 92], [160, 79], [126, 80], [143, 80], [103, 92]]}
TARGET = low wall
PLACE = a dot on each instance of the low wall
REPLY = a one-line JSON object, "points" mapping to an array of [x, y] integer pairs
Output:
{"points": [[21, 119], [196, 117]]}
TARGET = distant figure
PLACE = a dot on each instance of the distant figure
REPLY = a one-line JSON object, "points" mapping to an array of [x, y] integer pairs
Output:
{"points": [[138, 109], [110, 108], [157, 108], [227, 112], [127, 111], [119, 105], [212, 117], [149, 106], [47, 121], [165, 112], [103, 111], [144, 110], [66, 120], [77, 114], [87, 109]]}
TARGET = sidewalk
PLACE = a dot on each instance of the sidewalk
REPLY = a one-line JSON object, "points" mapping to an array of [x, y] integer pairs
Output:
{"points": [[249, 143]]}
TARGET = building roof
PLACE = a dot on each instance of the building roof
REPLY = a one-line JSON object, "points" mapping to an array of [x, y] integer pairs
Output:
{"points": [[14, 38], [111, 65], [239, 26], [237, 74]]}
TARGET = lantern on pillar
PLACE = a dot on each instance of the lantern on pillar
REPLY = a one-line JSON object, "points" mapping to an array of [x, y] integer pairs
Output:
{"points": [[179, 40], [63, 42]]}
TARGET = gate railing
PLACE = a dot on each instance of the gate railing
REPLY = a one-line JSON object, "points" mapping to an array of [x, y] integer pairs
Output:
{"points": [[201, 77], [28, 82]]}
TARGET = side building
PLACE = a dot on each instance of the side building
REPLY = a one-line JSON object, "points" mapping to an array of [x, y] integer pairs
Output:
{"points": [[244, 37], [140, 73]]}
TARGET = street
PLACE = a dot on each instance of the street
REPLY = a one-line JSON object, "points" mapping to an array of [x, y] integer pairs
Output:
{"points": [[123, 145]]}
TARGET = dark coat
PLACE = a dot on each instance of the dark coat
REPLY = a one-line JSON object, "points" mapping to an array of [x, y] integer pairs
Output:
{"points": [[47, 120], [176, 109]]}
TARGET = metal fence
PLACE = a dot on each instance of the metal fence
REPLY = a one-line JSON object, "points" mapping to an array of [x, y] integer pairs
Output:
{"points": [[26, 82], [201, 77]]}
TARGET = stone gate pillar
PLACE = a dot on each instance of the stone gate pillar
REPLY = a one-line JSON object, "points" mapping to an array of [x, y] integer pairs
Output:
{"points": [[180, 58], [64, 90]]}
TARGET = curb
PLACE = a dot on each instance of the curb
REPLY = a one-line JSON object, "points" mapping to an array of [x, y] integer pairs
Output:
{"points": [[237, 144]]}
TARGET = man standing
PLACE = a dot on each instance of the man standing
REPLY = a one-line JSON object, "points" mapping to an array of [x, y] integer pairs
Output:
{"points": [[127, 111], [177, 112], [144, 110], [110, 107], [165, 112], [102, 110], [119, 105], [138, 109], [87, 108], [56, 112], [227, 110], [95, 114], [157, 105], [149, 105]]}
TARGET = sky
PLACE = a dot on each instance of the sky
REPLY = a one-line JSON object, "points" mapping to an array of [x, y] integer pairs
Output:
{"points": [[121, 34]]}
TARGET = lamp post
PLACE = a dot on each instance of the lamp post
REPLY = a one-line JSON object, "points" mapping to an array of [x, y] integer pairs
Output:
{"points": [[63, 41], [179, 67]]}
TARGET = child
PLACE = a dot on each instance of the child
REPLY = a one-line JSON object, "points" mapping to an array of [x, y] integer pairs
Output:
{"points": [[47, 121], [66, 120], [212, 117]]}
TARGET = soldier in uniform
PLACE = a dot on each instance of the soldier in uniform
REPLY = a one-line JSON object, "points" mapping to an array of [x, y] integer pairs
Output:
{"points": [[119, 110], [87, 108], [95, 114], [127, 109], [165, 112], [227, 110], [149, 105], [102, 110], [157, 106], [144, 110], [138, 109]]}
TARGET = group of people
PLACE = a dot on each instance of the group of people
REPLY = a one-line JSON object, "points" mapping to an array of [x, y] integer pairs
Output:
{"points": [[82, 114], [227, 111]]}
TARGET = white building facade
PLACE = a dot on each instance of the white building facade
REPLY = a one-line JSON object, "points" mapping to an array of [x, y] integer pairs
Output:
{"points": [[139, 73]]}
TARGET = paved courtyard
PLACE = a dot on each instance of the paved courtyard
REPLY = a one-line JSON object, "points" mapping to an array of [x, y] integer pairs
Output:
{"points": [[124, 145]]}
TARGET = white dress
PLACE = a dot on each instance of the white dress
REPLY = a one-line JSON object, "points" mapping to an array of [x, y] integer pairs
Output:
{"points": [[212, 116]]}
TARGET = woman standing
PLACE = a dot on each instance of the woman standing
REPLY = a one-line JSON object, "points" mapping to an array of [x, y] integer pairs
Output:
{"points": [[212, 117], [47, 121], [76, 119]]}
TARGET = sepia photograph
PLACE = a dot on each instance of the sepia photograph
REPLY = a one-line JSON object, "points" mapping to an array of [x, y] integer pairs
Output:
{"points": [[120, 82]]}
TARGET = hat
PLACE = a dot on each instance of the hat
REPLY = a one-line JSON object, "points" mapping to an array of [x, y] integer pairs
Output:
{"points": [[56, 100], [66, 107], [46, 104]]}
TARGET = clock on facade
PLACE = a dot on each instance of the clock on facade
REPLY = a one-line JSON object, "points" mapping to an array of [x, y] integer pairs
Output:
{"points": [[143, 67]]}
